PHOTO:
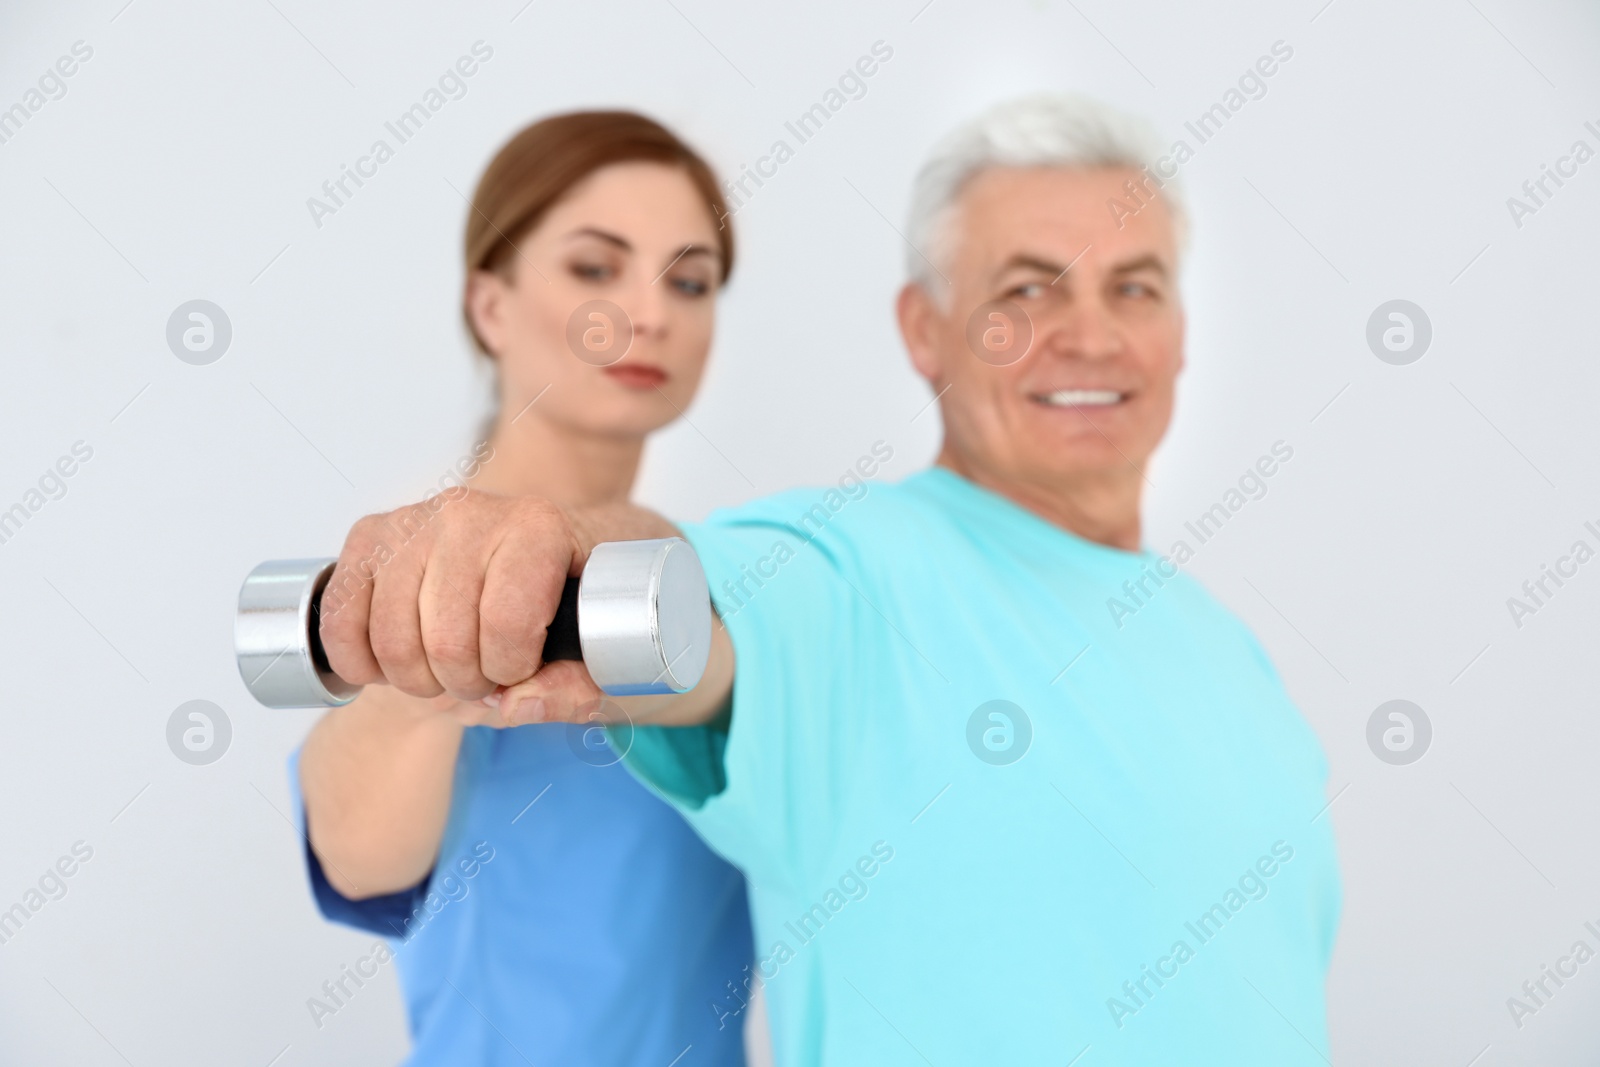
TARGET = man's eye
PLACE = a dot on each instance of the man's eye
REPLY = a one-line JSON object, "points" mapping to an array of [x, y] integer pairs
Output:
{"points": [[1026, 291], [1137, 289]]}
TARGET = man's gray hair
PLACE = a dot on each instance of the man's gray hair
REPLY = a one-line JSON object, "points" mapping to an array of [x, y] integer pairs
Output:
{"points": [[1046, 130]]}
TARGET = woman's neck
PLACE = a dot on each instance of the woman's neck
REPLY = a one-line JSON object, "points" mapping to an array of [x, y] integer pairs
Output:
{"points": [[533, 457]]}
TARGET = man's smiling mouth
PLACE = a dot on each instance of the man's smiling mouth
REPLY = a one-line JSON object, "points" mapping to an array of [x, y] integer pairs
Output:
{"points": [[1080, 398]]}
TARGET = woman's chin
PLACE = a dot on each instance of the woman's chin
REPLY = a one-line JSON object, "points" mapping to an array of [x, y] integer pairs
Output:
{"points": [[627, 417]]}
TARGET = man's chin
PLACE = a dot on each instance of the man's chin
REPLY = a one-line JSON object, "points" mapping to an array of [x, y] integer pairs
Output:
{"points": [[1081, 460], [1084, 440]]}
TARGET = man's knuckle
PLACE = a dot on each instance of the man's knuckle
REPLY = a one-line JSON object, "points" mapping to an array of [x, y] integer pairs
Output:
{"points": [[364, 534], [501, 616], [391, 646], [455, 651]]}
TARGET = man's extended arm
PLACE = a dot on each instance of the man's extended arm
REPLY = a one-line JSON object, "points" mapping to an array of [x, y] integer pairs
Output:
{"points": [[461, 609]]}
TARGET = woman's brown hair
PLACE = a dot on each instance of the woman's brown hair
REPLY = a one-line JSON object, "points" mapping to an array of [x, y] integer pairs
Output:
{"points": [[538, 166]]}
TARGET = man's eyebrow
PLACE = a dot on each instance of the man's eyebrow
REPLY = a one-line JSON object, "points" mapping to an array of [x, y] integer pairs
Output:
{"points": [[604, 235], [1024, 261], [1146, 262]]}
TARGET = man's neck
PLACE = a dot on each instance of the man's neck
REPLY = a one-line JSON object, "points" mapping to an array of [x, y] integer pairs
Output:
{"points": [[1099, 508], [534, 457]]}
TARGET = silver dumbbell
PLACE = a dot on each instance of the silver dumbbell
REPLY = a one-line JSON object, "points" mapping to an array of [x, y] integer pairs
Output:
{"points": [[639, 619]]}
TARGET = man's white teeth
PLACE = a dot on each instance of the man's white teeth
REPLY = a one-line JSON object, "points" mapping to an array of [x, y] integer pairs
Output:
{"points": [[1081, 397]]}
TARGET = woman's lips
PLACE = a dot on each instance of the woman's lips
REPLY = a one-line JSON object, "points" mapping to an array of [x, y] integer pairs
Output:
{"points": [[637, 376]]}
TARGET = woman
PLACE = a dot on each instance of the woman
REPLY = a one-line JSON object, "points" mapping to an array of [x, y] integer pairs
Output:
{"points": [[543, 907]]}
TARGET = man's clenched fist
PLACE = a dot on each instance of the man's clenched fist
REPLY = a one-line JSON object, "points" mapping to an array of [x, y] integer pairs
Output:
{"points": [[451, 596]]}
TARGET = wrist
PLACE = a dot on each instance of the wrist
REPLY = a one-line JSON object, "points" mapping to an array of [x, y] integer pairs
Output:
{"points": [[419, 715]]}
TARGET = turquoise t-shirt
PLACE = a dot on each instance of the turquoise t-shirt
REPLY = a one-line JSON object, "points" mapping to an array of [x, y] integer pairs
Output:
{"points": [[987, 817]]}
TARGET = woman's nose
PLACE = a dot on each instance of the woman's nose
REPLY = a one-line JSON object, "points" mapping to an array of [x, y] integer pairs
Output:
{"points": [[646, 305]]}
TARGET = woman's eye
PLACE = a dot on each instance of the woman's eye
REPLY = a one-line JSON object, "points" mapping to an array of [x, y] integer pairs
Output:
{"points": [[593, 272], [691, 286]]}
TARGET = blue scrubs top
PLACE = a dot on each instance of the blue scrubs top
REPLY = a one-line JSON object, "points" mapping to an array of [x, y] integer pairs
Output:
{"points": [[572, 918]]}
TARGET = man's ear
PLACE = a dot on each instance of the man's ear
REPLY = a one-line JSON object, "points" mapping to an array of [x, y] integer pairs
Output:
{"points": [[920, 318], [1183, 329], [485, 303]]}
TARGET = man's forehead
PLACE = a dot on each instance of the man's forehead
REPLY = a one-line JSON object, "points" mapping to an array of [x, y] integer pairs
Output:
{"points": [[1063, 215]]}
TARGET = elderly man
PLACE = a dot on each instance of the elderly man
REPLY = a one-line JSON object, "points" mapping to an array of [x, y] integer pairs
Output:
{"points": [[984, 819]]}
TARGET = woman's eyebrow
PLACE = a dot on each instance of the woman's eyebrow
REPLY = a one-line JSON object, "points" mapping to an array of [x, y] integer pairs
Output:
{"points": [[604, 235], [688, 250]]}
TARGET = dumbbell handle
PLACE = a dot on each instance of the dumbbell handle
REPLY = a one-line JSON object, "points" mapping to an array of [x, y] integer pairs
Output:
{"points": [[639, 618]]}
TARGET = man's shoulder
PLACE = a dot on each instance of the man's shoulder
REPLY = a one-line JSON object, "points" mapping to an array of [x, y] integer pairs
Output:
{"points": [[808, 548], [1219, 625], [849, 510]]}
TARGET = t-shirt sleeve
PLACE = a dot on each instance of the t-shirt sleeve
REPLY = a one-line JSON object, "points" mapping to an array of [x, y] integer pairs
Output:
{"points": [[780, 575], [384, 915]]}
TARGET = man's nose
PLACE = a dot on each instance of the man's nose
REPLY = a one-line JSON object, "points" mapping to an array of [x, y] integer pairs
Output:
{"points": [[1085, 329]]}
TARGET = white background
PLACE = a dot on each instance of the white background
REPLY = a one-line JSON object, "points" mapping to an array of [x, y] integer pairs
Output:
{"points": [[1377, 166]]}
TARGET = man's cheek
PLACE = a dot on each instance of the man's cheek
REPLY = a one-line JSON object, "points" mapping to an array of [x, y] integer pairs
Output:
{"points": [[1156, 397], [1164, 345]]}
